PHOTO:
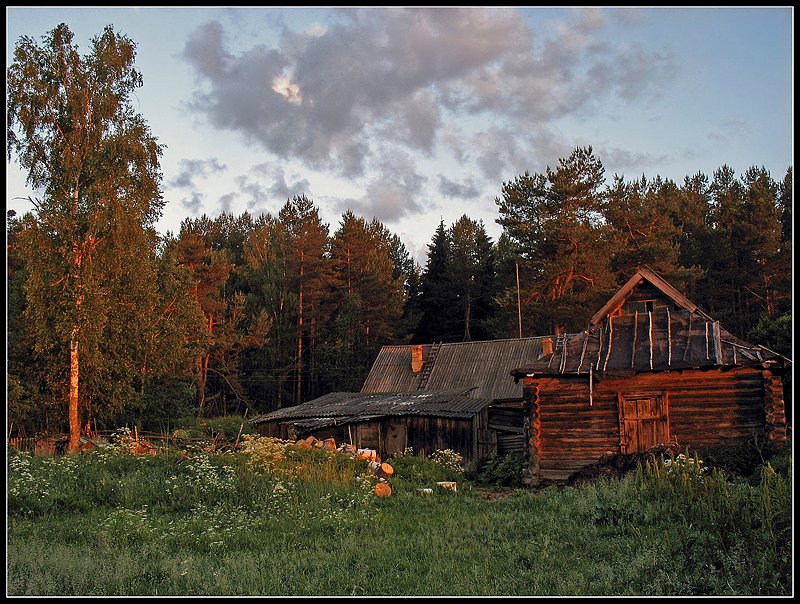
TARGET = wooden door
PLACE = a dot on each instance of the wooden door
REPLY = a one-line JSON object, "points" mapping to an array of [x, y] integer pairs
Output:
{"points": [[396, 437], [643, 422]]}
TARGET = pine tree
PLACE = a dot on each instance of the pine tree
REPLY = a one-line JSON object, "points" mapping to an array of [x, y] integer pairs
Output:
{"points": [[472, 276], [309, 268], [437, 301], [564, 247]]}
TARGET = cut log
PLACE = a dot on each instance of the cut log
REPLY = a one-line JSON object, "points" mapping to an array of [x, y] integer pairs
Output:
{"points": [[303, 444], [368, 454], [451, 486], [385, 469], [382, 489], [329, 444]]}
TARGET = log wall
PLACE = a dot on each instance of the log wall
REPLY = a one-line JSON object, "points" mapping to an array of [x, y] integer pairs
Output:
{"points": [[565, 432]]}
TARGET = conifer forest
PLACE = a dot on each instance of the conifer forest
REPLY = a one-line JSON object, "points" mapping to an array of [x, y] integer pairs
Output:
{"points": [[111, 322]]}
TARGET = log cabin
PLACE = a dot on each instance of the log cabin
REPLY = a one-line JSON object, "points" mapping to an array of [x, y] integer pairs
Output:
{"points": [[650, 369]]}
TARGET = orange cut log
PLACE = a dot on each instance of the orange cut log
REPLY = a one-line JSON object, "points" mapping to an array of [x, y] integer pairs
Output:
{"points": [[382, 489], [368, 454], [386, 469]]}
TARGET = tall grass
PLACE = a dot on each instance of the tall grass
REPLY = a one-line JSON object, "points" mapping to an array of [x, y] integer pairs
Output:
{"points": [[296, 522]]}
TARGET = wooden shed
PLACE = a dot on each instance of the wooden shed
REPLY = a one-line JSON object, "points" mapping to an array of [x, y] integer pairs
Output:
{"points": [[481, 366], [434, 396], [650, 369], [389, 422]]}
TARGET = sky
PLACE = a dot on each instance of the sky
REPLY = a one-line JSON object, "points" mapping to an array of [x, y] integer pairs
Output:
{"points": [[419, 115]]}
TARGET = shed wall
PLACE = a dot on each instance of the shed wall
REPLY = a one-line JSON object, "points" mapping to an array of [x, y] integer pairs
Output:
{"points": [[391, 434]]}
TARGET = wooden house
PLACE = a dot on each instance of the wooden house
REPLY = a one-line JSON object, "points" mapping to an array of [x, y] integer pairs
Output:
{"points": [[650, 369], [455, 396]]}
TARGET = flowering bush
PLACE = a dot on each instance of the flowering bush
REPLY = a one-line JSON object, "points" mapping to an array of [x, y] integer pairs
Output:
{"points": [[440, 465], [263, 453], [683, 465], [449, 459], [121, 441]]}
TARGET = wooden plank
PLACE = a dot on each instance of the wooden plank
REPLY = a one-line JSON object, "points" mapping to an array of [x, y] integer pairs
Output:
{"points": [[511, 429], [580, 441]]}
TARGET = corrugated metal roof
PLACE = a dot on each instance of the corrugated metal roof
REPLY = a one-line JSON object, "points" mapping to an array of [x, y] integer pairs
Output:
{"points": [[657, 341], [482, 365], [345, 407], [391, 371]]}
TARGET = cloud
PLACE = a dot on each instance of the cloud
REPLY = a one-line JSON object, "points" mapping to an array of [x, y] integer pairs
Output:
{"points": [[628, 15], [226, 203], [464, 190], [620, 160], [194, 203], [395, 194], [730, 129], [191, 169], [283, 190], [331, 95], [255, 193], [500, 153], [261, 195], [386, 201]]}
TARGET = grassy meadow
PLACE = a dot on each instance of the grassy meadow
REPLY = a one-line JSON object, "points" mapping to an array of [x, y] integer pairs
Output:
{"points": [[270, 519]]}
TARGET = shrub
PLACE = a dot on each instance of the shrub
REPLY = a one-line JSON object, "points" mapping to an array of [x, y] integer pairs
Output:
{"points": [[740, 458], [279, 458], [439, 467], [449, 460], [500, 470]]}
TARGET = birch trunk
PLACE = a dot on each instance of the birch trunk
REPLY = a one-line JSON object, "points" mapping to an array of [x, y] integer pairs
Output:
{"points": [[74, 415]]}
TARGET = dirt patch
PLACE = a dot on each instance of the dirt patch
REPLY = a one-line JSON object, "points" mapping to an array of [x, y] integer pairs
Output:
{"points": [[495, 495], [619, 464]]}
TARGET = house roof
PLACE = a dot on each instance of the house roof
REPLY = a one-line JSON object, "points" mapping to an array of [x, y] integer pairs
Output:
{"points": [[645, 274], [481, 366], [651, 341], [348, 407]]}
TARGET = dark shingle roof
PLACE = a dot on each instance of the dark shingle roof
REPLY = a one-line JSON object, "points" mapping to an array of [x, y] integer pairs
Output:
{"points": [[345, 407]]}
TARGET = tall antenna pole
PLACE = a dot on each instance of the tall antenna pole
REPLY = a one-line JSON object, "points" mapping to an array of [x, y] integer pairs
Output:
{"points": [[519, 304]]}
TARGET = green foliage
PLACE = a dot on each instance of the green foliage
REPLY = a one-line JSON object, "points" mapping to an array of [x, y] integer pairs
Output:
{"points": [[163, 401], [275, 310], [422, 471], [720, 536], [774, 332], [742, 458], [110, 523], [500, 470], [228, 425], [562, 240]]}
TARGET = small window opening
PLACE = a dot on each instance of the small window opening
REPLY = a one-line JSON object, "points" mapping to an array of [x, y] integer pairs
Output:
{"points": [[649, 306]]}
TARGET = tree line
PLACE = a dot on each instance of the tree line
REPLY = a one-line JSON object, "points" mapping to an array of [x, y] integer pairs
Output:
{"points": [[111, 322]]}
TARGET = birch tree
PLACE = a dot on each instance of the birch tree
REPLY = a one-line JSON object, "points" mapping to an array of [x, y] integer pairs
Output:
{"points": [[72, 127]]}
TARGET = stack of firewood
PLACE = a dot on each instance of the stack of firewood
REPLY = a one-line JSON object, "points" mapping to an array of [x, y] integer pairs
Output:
{"points": [[382, 470]]}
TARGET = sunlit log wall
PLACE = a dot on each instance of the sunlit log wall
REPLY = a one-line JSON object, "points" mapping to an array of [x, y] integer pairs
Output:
{"points": [[565, 431]]}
